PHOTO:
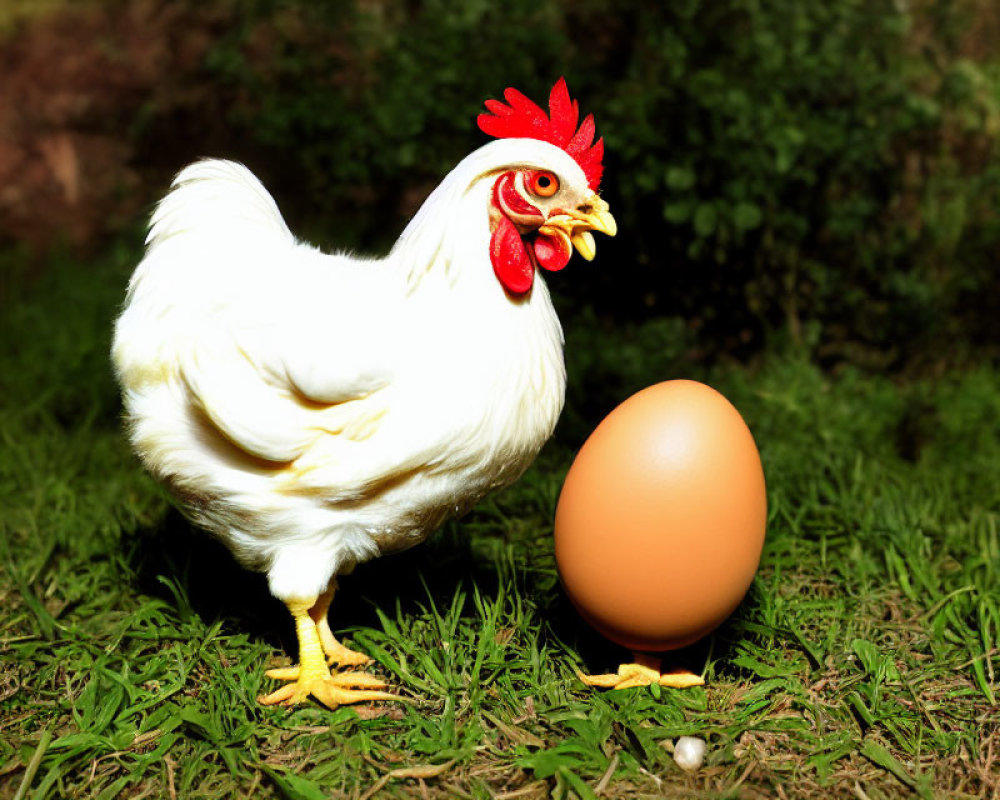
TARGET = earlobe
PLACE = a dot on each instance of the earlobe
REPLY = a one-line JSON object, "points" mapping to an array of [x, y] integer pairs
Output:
{"points": [[509, 201]]}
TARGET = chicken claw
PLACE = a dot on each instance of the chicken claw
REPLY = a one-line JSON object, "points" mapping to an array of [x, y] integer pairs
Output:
{"points": [[332, 690], [631, 675], [312, 677], [336, 653]]}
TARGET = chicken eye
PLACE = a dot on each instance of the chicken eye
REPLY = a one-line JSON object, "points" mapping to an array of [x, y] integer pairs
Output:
{"points": [[543, 184]]}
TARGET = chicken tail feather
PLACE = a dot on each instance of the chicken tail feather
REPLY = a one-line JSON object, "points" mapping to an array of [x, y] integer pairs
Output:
{"points": [[215, 194]]}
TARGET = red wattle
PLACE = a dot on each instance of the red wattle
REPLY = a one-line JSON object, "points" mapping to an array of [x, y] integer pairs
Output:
{"points": [[551, 252], [510, 258]]}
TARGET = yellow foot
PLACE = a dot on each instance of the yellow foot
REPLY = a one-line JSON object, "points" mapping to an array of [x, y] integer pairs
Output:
{"points": [[335, 652], [632, 675], [331, 689], [312, 678]]}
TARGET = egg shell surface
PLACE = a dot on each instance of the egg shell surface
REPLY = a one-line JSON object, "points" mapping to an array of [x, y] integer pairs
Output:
{"points": [[660, 523]]}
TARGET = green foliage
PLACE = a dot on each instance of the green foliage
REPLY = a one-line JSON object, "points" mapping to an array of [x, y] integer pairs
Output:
{"points": [[365, 101], [829, 170]]}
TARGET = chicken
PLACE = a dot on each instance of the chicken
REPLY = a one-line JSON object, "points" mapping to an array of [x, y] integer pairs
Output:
{"points": [[315, 411]]}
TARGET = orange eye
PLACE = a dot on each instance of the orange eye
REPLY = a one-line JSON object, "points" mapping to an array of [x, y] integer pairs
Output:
{"points": [[543, 184]]}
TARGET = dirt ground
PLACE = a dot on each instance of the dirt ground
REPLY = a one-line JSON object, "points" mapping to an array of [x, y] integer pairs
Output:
{"points": [[83, 88]]}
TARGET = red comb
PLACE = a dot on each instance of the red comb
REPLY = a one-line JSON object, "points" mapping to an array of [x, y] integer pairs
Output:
{"points": [[520, 117]]}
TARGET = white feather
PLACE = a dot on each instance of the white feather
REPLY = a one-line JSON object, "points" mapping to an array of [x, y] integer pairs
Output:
{"points": [[316, 410]]}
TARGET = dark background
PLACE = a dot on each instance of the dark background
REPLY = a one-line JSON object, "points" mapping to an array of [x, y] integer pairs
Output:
{"points": [[823, 177]]}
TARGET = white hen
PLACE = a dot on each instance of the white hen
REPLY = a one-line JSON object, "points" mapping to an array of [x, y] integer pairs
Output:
{"points": [[314, 410]]}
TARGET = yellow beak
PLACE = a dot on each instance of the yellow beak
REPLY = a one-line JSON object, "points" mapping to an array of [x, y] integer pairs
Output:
{"points": [[574, 227]]}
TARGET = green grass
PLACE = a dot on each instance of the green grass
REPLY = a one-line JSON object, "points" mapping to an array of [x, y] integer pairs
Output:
{"points": [[862, 663]]}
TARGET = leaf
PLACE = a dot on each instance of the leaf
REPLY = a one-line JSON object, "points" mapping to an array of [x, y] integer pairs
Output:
{"points": [[898, 569], [295, 787], [578, 785], [515, 734], [824, 762], [876, 663], [984, 684], [764, 690], [114, 789], [678, 212], [764, 670], [46, 622], [747, 216], [855, 699], [868, 654], [680, 178], [593, 731], [879, 755], [705, 220], [33, 763], [546, 763], [784, 158], [787, 147], [201, 724]]}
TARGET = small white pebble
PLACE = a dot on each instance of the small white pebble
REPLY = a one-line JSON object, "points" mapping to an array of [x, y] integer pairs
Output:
{"points": [[689, 753]]}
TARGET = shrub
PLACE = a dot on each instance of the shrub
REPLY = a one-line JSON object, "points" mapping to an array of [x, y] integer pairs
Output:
{"points": [[824, 173]]}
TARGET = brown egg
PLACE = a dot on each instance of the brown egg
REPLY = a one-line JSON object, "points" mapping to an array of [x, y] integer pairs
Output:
{"points": [[660, 523]]}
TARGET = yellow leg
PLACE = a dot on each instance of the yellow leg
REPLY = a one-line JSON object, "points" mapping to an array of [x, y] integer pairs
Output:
{"points": [[644, 672], [312, 677], [336, 653]]}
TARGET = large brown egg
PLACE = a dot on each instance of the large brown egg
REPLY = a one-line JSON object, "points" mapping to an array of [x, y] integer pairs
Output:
{"points": [[660, 523]]}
